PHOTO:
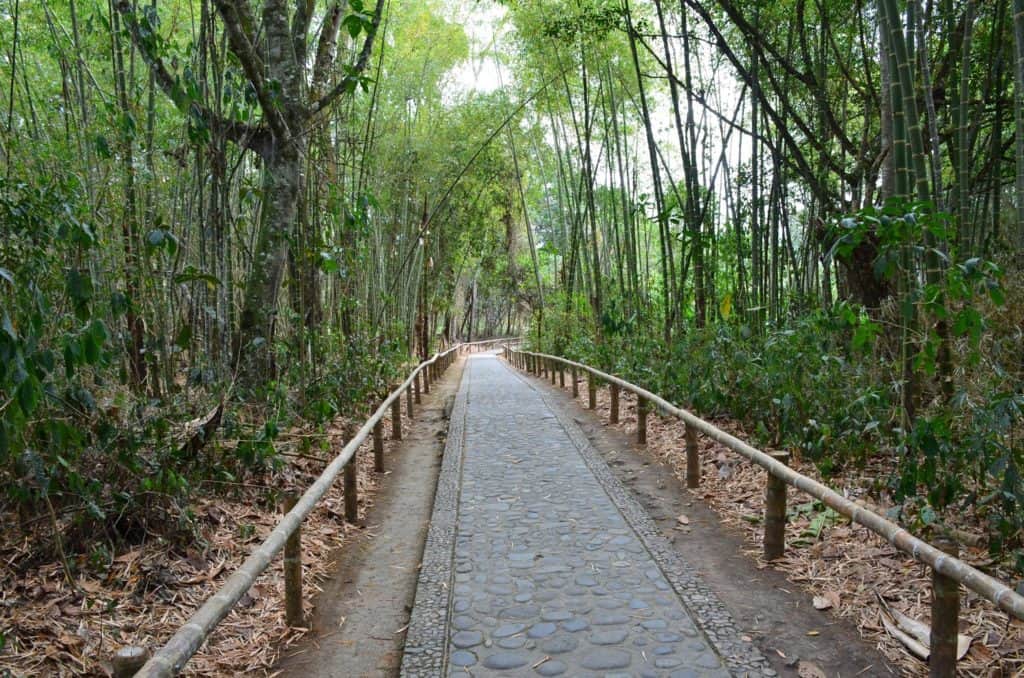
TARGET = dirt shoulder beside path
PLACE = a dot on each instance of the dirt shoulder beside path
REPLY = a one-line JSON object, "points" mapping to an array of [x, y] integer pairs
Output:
{"points": [[777, 614], [361, 613]]}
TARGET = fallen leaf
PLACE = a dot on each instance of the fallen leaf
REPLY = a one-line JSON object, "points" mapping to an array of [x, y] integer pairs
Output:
{"points": [[826, 600], [810, 670]]}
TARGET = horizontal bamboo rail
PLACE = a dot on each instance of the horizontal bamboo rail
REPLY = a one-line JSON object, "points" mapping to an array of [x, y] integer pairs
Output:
{"points": [[942, 563], [171, 658]]}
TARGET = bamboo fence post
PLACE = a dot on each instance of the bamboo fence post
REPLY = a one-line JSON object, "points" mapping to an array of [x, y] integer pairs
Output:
{"points": [[775, 512], [408, 401], [351, 491], [396, 418], [692, 458], [416, 387], [561, 375], [293, 571], [575, 385], [641, 420], [378, 447], [945, 616], [551, 368], [127, 661], [613, 418], [591, 391], [426, 378]]}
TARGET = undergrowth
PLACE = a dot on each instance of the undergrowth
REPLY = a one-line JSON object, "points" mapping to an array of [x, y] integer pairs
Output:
{"points": [[820, 387]]}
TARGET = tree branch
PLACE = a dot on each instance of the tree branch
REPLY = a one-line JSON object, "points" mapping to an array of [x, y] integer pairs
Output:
{"points": [[243, 134], [364, 58], [252, 65]]}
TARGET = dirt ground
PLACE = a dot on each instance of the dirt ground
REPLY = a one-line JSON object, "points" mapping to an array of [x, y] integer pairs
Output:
{"points": [[361, 613], [778, 615]]}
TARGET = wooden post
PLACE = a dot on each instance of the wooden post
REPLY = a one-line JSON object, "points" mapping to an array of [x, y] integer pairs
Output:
{"points": [[408, 401], [775, 512], [396, 418], [561, 375], [692, 458], [641, 420], [378, 446], [614, 417], [426, 378], [575, 385], [416, 387], [127, 661], [351, 491], [945, 615], [293, 571], [591, 391], [551, 365]]}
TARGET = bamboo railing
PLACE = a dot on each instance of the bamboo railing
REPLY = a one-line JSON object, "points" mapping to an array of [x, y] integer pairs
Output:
{"points": [[171, 658], [947, 570]]}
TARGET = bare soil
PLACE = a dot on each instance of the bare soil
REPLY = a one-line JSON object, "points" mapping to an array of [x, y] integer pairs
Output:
{"points": [[360, 615]]}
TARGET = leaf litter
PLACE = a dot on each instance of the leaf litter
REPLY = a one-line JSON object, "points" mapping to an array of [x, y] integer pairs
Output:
{"points": [[48, 627]]}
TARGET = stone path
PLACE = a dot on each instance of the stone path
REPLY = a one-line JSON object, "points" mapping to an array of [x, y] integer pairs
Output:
{"points": [[538, 562]]}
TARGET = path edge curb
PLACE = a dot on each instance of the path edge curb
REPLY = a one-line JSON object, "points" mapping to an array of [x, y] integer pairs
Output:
{"points": [[426, 640]]}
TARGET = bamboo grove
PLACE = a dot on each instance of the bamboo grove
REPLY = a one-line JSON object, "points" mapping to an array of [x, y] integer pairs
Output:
{"points": [[804, 214]]}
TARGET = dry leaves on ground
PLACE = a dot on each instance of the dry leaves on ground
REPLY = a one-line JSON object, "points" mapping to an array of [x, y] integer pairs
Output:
{"points": [[49, 628]]}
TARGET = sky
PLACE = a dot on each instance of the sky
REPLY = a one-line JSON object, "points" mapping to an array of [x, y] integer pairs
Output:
{"points": [[487, 27]]}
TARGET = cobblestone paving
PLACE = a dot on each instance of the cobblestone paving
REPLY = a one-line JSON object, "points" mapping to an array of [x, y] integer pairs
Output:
{"points": [[548, 577]]}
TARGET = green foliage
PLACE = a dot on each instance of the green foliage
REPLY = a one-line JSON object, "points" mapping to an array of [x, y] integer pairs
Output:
{"points": [[819, 386]]}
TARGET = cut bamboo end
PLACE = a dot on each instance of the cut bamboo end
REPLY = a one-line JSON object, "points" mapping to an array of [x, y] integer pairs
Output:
{"points": [[127, 661]]}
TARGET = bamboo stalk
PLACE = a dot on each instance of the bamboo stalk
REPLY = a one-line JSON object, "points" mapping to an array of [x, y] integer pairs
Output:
{"points": [[775, 512], [692, 458], [396, 419], [378, 447], [614, 416], [293, 613], [945, 615], [641, 420], [351, 491]]}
